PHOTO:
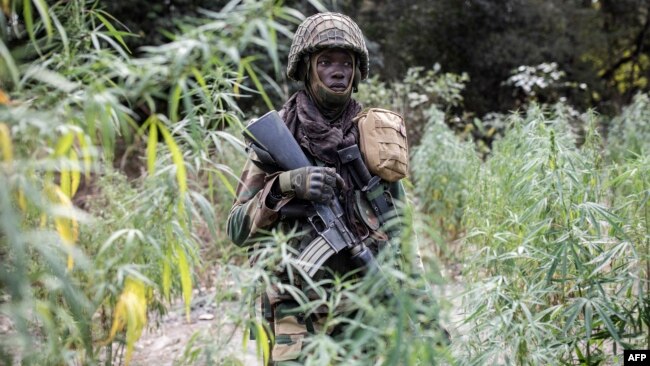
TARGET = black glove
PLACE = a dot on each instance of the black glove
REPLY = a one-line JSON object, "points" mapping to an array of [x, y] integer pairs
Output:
{"points": [[311, 183]]}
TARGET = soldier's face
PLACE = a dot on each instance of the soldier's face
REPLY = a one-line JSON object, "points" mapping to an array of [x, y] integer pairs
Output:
{"points": [[335, 69]]}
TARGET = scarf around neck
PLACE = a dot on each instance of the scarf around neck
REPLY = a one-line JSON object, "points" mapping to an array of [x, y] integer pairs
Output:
{"points": [[322, 138]]}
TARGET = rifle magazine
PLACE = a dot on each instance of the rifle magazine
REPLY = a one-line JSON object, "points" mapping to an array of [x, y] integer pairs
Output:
{"points": [[312, 258]]}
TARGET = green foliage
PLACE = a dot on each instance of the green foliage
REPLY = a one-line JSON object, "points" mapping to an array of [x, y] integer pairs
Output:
{"points": [[602, 44], [86, 252], [629, 135], [630, 190], [116, 178], [556, 267], [444, 169], [388, 316]]}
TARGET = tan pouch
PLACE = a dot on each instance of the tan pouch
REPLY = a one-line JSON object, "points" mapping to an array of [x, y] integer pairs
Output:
{"points": [[383, 143]]}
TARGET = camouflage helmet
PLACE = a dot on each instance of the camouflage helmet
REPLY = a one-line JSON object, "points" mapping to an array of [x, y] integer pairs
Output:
{"points": [[327, 30]]}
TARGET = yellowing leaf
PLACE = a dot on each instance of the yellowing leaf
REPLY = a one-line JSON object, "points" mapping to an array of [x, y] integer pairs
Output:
{"points": [[199, 78], [4, 98], [67, 228], [226, 183], [152, 144], [65, 182], [174, 100], [22, 202], [130, 311], [111, 29], [258, 85], [186, 279], [75, 174], [263, 343], [177, 158], [85, 153], [245, 337], [166, 279], [5, 143], [64, 144]]}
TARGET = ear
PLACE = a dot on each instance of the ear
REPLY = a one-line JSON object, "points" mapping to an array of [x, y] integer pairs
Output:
{"points": [[302, 70], [357, 78]]}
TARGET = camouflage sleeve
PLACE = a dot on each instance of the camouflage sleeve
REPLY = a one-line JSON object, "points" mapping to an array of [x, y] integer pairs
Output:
{"points": [[249, 212]]}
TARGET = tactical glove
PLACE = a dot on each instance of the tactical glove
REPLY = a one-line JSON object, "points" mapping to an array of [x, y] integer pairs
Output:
{"points": [[311, 183]]}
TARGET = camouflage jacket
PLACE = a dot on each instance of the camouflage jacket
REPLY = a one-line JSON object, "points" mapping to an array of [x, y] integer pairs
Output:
{"points": [[250, 218]]}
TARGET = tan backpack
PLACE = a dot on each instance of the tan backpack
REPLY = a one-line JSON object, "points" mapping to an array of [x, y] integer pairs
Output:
{"points": [[383, 143]]}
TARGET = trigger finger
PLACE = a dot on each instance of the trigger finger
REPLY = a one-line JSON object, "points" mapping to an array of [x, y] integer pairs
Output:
{"points": [[331, 176], [340, 182]]}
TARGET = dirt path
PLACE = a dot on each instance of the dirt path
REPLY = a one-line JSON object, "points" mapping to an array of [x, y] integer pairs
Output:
{"points": [[211, 332]]}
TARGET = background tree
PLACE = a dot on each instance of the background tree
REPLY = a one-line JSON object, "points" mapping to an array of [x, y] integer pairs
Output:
{"points": [[601, 44]]}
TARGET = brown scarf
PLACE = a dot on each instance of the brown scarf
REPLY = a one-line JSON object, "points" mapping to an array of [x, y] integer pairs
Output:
{"points": [[323, 139]]}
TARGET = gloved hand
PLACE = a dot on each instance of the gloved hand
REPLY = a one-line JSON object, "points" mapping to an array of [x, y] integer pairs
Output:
{"points": [[311, 183]]}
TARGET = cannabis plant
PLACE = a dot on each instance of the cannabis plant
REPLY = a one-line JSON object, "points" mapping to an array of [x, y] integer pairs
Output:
{"points": [[559, 269], [88, 253]]}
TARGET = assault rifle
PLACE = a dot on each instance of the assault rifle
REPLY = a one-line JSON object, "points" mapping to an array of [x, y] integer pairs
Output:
{"points": [[275, 146]]}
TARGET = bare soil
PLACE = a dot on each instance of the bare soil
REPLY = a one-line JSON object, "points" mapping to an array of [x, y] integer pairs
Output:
{"points": [[213, 325], [212, 330]]}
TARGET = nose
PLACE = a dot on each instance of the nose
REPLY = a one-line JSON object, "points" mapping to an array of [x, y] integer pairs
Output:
{"points": [[338, 74]]}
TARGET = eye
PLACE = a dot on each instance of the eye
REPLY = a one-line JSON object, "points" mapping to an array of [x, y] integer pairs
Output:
{"points": [[324, 62]]}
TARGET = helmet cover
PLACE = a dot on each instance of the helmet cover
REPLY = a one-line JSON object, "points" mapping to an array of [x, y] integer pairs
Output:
{"points": [[326, 30]]}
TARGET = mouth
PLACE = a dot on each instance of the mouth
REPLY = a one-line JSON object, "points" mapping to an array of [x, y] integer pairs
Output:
{"points": [[338, 87]]}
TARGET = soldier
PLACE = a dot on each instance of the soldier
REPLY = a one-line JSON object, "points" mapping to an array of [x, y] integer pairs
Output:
{"points": [[329, 56]]}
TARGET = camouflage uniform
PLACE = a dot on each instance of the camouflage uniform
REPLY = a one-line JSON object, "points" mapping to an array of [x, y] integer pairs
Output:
{"points": [[250, 215]]}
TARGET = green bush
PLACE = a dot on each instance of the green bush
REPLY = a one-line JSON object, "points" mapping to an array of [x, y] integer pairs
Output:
{"points": [[86, 252], [556, 268], [386, 317], [444, 168], [629, 135]]}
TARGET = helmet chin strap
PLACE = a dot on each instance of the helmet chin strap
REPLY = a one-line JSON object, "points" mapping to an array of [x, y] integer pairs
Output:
{"points": [[329, 102]]}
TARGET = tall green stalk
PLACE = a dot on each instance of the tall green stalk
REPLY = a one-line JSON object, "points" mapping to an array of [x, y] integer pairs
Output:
{"points": [[78, 237]]}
